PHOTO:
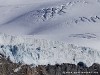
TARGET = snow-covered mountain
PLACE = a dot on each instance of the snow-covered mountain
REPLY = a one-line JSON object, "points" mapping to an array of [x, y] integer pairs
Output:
{"points": [[54, 20], [73, 22], [43, 52]]}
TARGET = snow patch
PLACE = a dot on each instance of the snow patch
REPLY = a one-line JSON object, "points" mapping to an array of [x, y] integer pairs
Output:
{"points": [[17, 69]]}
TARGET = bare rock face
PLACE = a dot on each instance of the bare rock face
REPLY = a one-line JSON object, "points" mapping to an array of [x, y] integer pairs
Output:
{"points": [[9, 68]]}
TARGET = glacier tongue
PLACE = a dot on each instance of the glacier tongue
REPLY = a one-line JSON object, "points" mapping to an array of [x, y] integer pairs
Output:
{"points": [[28, 50]]}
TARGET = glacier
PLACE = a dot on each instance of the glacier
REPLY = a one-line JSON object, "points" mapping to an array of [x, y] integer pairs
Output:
{"points": [[50, 31], [32, 51]]}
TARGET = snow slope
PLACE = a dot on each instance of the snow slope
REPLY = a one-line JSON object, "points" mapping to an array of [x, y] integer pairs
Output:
{"points": [[53, 19], [32, 51], [70, 21]]}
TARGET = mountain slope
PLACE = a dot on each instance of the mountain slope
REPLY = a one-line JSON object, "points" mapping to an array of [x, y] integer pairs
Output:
{"points": [[70, 21], [59, 18]]}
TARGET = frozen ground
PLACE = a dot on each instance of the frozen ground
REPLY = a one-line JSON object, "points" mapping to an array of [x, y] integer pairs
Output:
{"points": [[70, 21]]}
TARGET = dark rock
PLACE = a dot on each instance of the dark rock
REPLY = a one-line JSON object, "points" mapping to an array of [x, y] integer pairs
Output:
{"points": [[7, 68]]}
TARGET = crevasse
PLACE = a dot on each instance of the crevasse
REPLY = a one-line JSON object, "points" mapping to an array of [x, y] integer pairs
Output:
{"points": [[29, 50]]}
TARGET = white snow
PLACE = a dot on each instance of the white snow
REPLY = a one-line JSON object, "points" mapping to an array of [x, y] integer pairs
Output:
{"points": [[43, 52], [75, 22], [17, 69]]}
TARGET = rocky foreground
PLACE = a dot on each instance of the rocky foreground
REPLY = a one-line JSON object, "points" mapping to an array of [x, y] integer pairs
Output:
{"points": [[9, 68]]}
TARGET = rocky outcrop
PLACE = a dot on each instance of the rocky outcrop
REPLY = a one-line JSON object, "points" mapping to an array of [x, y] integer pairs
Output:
{"points": [[9, 68]]}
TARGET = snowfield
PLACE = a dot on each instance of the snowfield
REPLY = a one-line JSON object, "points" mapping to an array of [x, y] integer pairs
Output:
{"points": [[73, 26]]}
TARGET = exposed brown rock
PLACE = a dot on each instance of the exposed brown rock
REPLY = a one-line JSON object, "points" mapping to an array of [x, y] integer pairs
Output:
{"points": [[8, 68]]}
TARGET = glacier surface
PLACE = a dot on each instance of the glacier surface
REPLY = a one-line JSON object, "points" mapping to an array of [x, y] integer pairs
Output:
{"points": [[32, 51], [76, 23]]}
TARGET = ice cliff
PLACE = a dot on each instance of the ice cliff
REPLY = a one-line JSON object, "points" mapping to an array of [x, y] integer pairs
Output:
{"points": [[29, 50]]}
